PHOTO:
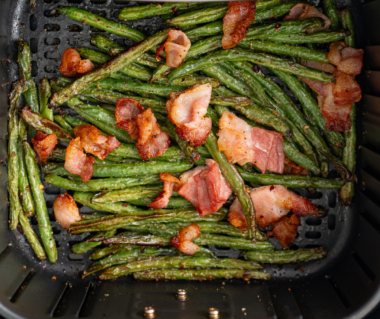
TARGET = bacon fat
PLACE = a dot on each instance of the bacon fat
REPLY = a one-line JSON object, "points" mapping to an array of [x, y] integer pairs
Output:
{"points": [[171, 184], [126, 112], [183, 241], [285, 230], [44, 145], [72, 65], [176, 47], [66, 211]]}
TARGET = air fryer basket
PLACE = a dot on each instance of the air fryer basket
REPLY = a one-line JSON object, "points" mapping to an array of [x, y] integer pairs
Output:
{"points": [[344, 285]]}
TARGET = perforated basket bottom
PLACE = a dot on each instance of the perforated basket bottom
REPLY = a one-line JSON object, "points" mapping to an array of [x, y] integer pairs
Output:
{"points": [[49, 33]]}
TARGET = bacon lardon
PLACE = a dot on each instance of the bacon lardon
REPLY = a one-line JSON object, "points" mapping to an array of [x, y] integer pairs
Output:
{"points": [[187, 110], [236, 215], [304, 11], [94, 142], [126, 112], [44, 145], [87, 169], [285, 230], [205, 187], [66, 211], [242, 143], [346, 90], [72, 65], [239, 16], [346, 59], [322, 66], [176, 47], [152, 141], [75, 157], [183, 241], [291, 168], [171, 184]]}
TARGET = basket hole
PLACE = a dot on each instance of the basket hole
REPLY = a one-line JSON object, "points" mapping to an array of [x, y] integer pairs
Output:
{"points": [[51, 27], [33, 23], [33, 45], [75, 257], [56, 230], [51, 13], [315, 195], [332, 199], [222, 248], [313, 234], [52, 217], [333, 173], [51, 1], [98, 1], [49, 203], [74, 28], [313, 221], [34, 69], [312, 246], [51, 69], [34, 221], [52, 55], [331, 222], [57, 243], [74, 1], [52, 41], [52, 190], [120, 1]]}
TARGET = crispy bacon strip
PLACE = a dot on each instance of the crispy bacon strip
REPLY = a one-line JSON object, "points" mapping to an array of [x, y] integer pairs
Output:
{"points": [[44, 145], [152, 141], [304, 11], [285, 230], [75, 157], [236, 215], [346, 90], [239, 16], [66, 211], [205, 187], [72, 65], [291, 168], [87, 169], [126, 112], [242, 143], [337, 116], [94, 142], [187, 110], [183, 241], [347, 60], [325, 67], [171, 184], [176, 47]]}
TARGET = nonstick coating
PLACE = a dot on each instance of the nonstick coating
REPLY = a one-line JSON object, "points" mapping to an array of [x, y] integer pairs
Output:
{"points": [[33, 289]]}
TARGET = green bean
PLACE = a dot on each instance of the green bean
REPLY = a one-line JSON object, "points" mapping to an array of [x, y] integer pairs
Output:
{"points": [[258, 58], [111, 67], [95, 185], [73, 121], [200, 274], [199, 16], [44, 225], [286, 256], [42, 124], [85, 246], [236, 182], [317, 37], [291, 181], [348, 24], [329, 9], [101, 23], [44, 91], [15, 209], [229, 101], [32, 237], [110, 250], [23, 183], [64, 125], [174, 202]]}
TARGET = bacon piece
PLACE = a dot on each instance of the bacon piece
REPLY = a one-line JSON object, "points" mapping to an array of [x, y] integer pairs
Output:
{"points": [[322, 66], [183, 241], [44, 145], [346, 90], [85, 66], [316, 86], [69, 61], [126, 112], [285, 230], [94, 142], [239, 16], [66, 211], [72, 65], [274, 202], [205, 187], [304, 11], [291, 168], [337, 117], [159, 51], [236, 215], [242, 143], [152, 141], [171, 184], [87, 169], [75, 157], [187, 110], [347, 59], [176, 47]]}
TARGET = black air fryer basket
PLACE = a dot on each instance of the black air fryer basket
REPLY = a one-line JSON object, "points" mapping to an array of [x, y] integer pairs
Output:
{"points": [[344, 285]]}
